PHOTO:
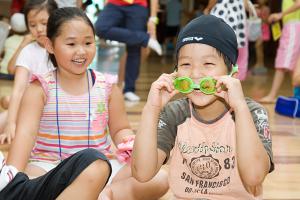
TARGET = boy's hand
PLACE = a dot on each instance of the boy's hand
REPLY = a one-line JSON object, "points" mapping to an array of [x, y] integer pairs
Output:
{"points": [[230, 89], [162, 90]]}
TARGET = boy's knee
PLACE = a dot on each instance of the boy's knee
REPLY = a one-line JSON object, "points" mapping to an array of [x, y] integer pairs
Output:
{"points": [[162, 179]]}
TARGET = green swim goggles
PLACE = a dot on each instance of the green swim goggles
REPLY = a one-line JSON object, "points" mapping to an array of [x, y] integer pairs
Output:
{"points": [[207, 85]]}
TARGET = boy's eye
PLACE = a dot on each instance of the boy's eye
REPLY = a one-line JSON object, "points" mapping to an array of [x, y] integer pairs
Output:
{"points": [[71, 44], [208, 63], [88, 43], [185, 64]]}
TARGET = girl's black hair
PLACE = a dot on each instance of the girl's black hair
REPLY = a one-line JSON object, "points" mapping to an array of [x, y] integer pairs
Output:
{"points": [[39, 5], [61, 16]]}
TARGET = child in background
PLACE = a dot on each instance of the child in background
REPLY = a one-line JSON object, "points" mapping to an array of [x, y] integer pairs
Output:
{"points": [[221, 146], [18, 27], [234, 14], [71, 109], [30, 58], [288, 51], [263, 11]]}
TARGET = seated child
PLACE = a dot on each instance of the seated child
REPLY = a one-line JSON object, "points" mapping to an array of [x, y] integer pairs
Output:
{"points": [[220, 141]]}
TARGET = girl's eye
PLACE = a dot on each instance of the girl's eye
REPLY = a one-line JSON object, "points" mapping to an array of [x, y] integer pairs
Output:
{"points": [[71, 44], [88, 43]]}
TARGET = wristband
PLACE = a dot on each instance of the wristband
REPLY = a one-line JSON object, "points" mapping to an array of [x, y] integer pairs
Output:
{"points": [[155, 20]]}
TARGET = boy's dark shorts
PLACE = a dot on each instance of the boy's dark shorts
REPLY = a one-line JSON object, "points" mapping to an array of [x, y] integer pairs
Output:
{"points": [[50, 185]]}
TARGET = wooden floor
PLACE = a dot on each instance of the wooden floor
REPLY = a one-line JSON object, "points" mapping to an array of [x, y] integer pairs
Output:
{"points": [[281, 184]]}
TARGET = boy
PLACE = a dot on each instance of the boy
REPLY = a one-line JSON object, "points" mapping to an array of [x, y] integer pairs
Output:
{"points": [[221, 142]]}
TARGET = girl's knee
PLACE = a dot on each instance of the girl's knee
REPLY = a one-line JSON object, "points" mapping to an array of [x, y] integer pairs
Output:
{"points": [[98, 171]]}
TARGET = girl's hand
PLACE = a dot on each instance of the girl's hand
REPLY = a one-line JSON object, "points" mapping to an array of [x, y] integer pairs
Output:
{"points": [[162, 90], [230, 89], [27, 39], [8, 133], [275, 17]]}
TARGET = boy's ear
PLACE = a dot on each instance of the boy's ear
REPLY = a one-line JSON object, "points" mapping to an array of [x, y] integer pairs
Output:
{"points": [[49, 46]]}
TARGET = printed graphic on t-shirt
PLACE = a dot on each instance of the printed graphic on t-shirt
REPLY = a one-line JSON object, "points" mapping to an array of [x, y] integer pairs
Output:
{"points": [[206, 168]]}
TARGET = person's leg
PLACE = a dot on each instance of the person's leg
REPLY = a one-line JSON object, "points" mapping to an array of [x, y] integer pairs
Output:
{"points": [[259, 67], [296, 74], [277, 81], [242, 62], [110, 25], [89, 183], [87, 169], [286, 58], [134, 190], [136, 20]]}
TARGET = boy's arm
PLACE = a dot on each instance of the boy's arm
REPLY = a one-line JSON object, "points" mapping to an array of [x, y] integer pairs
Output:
{"points": [[252, 159], [250, 149], [147, 158], [27, 126]]}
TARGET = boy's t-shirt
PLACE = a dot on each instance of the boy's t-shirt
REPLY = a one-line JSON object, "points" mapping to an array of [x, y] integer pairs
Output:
{"points": [[292, 17], [204, 157]]}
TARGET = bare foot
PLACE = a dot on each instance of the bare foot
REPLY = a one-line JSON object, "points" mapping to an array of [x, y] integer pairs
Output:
{"points": [[106, 194], [267, 100]]}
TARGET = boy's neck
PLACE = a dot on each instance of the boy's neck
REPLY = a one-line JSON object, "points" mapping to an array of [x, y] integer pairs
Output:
{"points": [[212, 111]]}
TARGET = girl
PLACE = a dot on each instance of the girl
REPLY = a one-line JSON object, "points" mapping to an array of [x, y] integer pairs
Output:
{"points": [[263, 11], [233, 12], [31, 57], [288, 51], [214, 137], [72, 108]]}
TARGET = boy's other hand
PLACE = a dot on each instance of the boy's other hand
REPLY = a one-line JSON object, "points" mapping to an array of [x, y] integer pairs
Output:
{"points": [[230, 89]]}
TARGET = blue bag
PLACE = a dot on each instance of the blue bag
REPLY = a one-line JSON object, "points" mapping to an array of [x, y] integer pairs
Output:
{"points": [[288, 106]]}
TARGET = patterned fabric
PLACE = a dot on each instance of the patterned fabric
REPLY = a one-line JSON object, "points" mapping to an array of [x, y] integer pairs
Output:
{"points": [[234, 14], [73, 118]]}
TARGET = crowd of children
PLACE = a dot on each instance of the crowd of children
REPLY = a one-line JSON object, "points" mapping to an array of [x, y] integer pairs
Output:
{"points": [[68, 129]]}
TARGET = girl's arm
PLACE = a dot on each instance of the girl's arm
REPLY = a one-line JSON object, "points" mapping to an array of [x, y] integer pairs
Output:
{"points": [[20, 84], [27, 126], [11, 68], [210, 5], [118, 123], [79, 3], [278, 16]]}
